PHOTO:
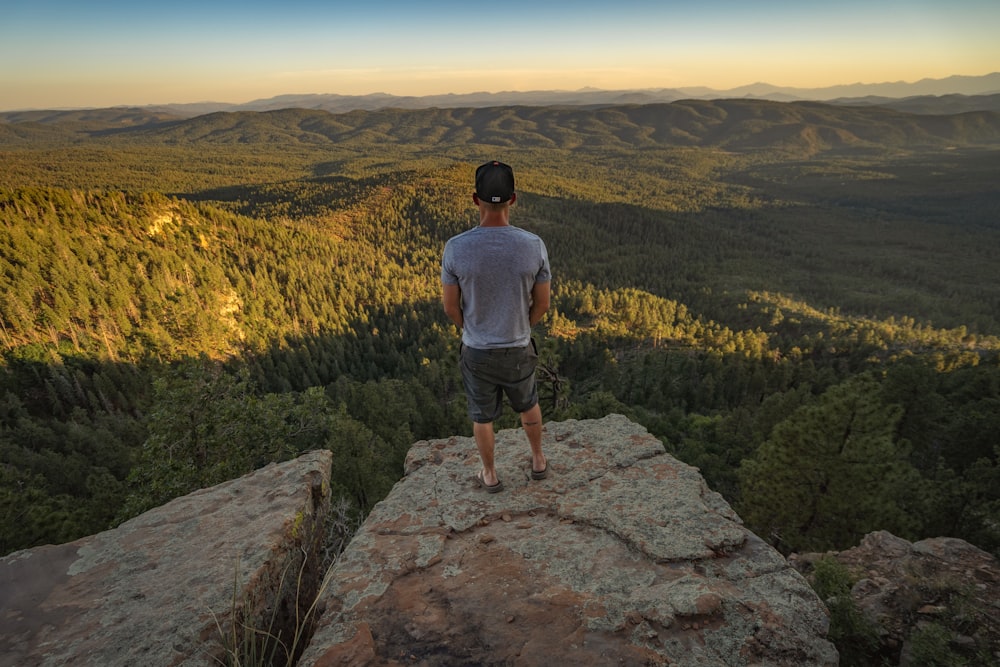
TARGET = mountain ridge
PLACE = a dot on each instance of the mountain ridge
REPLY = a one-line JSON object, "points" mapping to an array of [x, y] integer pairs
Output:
{"points": [[741, 125], [973, 86], [955, 85]]}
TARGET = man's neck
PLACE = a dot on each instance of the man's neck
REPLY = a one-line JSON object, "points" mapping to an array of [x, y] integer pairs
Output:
{"points": [[494, 220]]}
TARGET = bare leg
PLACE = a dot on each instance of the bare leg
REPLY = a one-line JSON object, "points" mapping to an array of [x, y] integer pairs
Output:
{"points": [[485, 441], [531, 420]]}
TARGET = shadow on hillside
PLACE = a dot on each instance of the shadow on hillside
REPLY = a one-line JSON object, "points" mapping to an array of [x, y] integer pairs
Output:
{"points": [[73, 428], [291, 200]]}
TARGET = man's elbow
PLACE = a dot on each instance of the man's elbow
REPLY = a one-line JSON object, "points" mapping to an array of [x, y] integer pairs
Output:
{"points": [[537, 312], [454, 313]]}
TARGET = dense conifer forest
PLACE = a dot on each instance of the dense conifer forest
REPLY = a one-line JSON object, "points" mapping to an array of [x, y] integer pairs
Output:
{"points": [[801, 300]]}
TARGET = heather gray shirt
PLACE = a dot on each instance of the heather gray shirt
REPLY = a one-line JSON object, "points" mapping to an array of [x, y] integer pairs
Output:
{"points": [[495, 269]]}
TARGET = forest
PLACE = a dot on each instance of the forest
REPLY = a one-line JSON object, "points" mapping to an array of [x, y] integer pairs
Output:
{"points": [[803, 301]]}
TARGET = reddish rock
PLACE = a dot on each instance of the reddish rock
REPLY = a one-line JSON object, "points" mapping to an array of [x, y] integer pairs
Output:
{"points": [[622, 556], [159, 589], [900, 586]]}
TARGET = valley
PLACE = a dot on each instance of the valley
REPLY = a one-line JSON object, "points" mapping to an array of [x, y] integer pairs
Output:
{"points": [[183, 300]]}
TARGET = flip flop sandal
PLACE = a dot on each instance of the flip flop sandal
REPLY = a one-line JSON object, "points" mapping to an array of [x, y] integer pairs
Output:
{"points": [[490, 488]]}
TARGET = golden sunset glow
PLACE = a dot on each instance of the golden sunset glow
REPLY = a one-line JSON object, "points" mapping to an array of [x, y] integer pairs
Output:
{"points": [[59, 54]]}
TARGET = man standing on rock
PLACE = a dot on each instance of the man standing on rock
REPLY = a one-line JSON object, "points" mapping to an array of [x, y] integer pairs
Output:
{"points": [[495, 286]]}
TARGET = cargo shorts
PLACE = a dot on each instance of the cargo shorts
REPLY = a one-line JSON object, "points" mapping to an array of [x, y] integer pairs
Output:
{"points": [[489, 375]]}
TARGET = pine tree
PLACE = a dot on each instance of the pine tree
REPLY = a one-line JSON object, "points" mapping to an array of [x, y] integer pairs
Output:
{"points": [[831, 472]]}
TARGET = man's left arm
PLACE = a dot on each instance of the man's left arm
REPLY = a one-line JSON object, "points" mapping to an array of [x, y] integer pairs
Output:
{"points": [[541, 294]]}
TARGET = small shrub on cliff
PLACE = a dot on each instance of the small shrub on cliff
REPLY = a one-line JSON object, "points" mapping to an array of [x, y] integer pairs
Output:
{"points": [[930, 646], [855, 637]]}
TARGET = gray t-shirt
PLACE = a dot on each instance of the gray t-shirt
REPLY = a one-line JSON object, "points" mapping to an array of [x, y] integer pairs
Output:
{"points": [[495, 268]]}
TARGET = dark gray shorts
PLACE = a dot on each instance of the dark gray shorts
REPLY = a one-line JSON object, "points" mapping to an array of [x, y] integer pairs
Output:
{"points": [[489, 374]]}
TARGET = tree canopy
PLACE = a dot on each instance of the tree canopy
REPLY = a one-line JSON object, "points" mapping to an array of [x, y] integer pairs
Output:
{"points": [[816, 327]]}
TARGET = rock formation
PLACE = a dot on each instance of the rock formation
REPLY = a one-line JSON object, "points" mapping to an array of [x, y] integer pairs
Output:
{"points": [[622, 556], [167, 587], [903, 588]]}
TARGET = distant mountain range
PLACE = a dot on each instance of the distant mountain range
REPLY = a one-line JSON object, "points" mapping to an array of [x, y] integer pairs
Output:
{"points": [[954, 94], [919, 97]]}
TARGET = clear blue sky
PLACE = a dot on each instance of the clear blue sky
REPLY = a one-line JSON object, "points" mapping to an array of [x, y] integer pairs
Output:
{"points": [[75, 53]]}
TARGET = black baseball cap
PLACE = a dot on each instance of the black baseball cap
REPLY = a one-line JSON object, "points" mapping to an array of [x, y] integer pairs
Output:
{"points": [[495, 182]]}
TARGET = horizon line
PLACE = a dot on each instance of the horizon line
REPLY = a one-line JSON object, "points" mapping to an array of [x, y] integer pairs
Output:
{"points": [[701, 90]]}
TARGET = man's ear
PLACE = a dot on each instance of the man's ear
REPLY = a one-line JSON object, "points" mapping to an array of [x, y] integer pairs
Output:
{"points": [[513, 198], [475, 199]]}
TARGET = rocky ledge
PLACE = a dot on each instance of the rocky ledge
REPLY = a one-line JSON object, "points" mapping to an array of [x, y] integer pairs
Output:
{"points": [[187, 583], [940, 589], [621, 556]]}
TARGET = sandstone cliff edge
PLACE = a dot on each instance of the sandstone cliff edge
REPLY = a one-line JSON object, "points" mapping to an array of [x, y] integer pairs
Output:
{"points": [[622, 556]]}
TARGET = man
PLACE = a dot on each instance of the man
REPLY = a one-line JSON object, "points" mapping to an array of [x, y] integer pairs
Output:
{"points": [[495, 286]]}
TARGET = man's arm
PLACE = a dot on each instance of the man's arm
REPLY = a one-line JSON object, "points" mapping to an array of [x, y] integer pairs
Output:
{"points": [[540, 295], [451, 298]]}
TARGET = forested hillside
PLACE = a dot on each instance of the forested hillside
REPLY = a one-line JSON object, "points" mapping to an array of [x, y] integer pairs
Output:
{"points": [[802, 300]]}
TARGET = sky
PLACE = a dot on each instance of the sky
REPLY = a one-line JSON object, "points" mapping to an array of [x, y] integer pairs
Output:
{"points": [[83, 53]]}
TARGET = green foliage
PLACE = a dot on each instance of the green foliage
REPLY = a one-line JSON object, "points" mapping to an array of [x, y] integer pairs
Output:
{"points": [[207, 426], [831, 472], [67, 437], [855, 636], [183, 302], [930, 645]]}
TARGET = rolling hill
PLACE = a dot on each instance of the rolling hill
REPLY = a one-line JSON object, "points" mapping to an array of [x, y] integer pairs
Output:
{"points": [[726, 270], [803, 128]]}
